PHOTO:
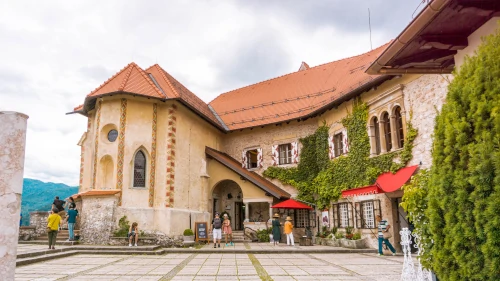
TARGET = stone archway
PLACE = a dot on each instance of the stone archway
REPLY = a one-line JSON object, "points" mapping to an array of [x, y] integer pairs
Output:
{"points": [[227, 197]]}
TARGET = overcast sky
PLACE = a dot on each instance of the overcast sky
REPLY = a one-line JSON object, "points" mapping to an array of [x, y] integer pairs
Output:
{"points": [[53, 53]]}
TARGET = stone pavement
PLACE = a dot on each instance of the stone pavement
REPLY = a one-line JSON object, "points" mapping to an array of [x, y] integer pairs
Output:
{"points": [[216, 266]]}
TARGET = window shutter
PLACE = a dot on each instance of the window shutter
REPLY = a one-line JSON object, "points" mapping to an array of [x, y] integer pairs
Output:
{"points": [[377, 211], [350, 214], [336, 216], [275, 155], [345, 141], [359, 215], [331, 147], [295, 152], [244, 159], [260, 158]]}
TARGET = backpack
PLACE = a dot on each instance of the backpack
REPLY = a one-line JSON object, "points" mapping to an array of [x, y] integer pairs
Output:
{"points": [[217, 223]]}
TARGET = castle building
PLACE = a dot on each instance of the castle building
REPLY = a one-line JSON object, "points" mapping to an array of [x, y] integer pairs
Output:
{"points": [[155, 152]]}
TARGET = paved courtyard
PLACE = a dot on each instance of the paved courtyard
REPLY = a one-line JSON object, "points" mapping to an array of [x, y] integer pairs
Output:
{"points": [[216, 266]]}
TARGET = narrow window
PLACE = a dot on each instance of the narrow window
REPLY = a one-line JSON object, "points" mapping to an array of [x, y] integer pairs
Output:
{"points": [[252, 159], [368, 214], [285, 152], [344, 214], [301, 217], [399, 126], [339, 145], [140, 169], [376, 130], [387, 131]]}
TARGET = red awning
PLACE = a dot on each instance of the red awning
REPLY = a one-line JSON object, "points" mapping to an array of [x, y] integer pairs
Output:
{"points": [[367, 190], [390, 182], [387, 182], [291, 204]]}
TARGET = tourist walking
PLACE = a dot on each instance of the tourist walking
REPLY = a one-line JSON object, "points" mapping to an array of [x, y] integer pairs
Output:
{"points": [[133, 234], [216, 229], [276, 229], [289, 231], [226, 227], [71, 219], [53, 222], [384, 235], [59, 206]]}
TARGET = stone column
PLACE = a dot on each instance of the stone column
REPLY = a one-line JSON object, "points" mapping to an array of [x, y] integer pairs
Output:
{"points": [[270, 211], [394, 133], [247, 211], [12, 148], [383, 148]]}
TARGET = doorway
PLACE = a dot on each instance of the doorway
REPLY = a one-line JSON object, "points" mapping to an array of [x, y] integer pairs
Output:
{"points": [[401, 221], [239, 215]]}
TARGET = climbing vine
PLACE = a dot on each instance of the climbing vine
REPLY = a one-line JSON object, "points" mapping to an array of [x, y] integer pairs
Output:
{"points": [[321, 181]]}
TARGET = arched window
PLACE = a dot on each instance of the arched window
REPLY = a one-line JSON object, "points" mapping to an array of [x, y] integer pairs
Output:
{"points": [[399, 126], [387, 131], [376, 133], [140, 169]]}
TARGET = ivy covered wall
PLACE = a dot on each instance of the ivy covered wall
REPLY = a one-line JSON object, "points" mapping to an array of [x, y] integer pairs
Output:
{"points": [[321, 180]]}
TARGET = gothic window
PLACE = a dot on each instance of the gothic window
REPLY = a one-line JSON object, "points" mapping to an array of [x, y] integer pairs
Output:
{"points": [[140, 169], [338, 144], [399, 126], [376, 132], [285, 154], [387, 130], [252, 159]]}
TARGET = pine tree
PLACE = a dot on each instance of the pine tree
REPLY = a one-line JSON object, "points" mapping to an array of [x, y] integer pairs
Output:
{"points": [[464, 188]]}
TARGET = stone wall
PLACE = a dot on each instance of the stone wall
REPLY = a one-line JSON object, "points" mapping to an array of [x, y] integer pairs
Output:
{"points": [[27, 233], [97, 219], [425, 97], [38, 219]]}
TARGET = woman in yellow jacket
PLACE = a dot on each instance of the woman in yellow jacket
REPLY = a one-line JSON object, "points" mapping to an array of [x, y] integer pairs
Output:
{"points": [[288, 231], [53, 222]]}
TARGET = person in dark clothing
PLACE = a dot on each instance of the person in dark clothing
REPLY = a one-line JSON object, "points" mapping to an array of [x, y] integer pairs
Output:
{"points": [[276, 229], [59, 206], [71, 203]]}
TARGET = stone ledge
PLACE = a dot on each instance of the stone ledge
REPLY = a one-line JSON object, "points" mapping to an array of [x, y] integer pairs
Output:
{"points": [[27, 227]]}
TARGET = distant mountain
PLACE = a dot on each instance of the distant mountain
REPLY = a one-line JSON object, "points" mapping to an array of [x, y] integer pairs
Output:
{"points": [[38, 196]]}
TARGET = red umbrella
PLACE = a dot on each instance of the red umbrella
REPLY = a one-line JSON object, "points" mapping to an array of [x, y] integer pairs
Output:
{"points": [[291, 204]]}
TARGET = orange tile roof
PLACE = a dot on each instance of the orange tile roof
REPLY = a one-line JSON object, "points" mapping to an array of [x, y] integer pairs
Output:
{"points": [[96, 192], [293, 95], [80, 107], [176, 90]]}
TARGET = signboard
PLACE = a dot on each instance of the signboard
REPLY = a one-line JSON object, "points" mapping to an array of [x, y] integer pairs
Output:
{"points": [[201, 231]]}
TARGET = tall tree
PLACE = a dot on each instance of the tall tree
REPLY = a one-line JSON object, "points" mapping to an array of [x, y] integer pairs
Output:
{"points": [[464, 187]]}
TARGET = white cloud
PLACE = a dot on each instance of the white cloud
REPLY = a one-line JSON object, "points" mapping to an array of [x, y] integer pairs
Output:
{"points": [[53, 53]]}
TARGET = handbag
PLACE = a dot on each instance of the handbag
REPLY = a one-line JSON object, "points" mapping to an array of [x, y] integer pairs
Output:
{"points": [[387, 235]]}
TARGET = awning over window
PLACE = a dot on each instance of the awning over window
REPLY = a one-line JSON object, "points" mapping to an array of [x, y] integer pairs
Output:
{"points": [[367, 190], [387, 182], [291, 204]]}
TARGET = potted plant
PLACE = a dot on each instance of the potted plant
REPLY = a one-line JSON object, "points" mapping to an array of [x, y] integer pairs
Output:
{"points": [[348, 233], [188, 235]]}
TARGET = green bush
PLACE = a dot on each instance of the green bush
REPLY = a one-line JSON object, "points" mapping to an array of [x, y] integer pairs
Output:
{"points": [[188, 232], [339, 235], [356, 236], [123, 227], [464, 185], [263, 234]]}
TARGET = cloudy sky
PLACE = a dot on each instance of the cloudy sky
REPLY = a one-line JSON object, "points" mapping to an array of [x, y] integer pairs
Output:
{"points": [[53, 53]]}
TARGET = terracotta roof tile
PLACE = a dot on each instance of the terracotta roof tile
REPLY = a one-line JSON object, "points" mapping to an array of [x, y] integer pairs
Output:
{"points": [[80, 107], [131, 79], [253, 177], [176, 90], [293, 95], [96, 192]]}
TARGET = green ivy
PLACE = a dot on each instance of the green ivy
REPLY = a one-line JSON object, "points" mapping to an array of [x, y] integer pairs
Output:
{"points": [[321, 180]]}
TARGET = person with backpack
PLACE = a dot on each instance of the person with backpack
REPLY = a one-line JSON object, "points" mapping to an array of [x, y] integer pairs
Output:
{"points": [[59, 206], [217, 229]]}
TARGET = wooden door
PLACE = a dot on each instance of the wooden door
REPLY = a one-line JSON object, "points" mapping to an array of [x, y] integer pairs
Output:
{"points": [[238, 215]]}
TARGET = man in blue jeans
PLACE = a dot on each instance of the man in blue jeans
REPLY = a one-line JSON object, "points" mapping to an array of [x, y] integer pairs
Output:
{"points": [[383, 227], [71, 217]]}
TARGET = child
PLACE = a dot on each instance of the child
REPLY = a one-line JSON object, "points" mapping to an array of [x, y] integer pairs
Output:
{"points": [[53, 222], [226, 226], [133, 233], [288, 231]]}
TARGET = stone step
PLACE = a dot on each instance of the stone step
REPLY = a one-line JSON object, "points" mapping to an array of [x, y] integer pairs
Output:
{"points": [[46, 242]]}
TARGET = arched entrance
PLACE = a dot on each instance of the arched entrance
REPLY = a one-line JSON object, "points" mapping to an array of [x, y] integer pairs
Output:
{"points": [[228, 197]]}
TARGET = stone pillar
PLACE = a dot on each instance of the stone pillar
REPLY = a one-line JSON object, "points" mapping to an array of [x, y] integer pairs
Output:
{"points": [[12, 148], [383, 148], [270, 211], [394, 132], [247, 211]]}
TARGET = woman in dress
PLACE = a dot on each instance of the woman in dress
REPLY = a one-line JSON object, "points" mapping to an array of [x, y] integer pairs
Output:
{"points": [[276, 229], [226, 228]]}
